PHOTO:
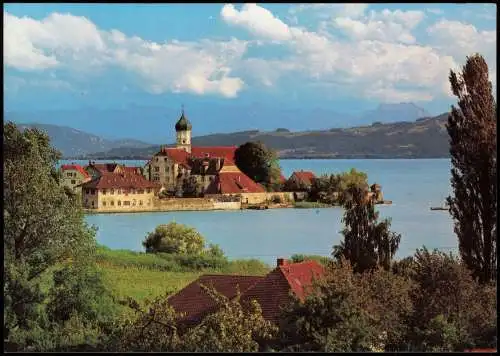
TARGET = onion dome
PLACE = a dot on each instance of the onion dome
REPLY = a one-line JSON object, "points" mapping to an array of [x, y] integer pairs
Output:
{"points": [[183, 124]]}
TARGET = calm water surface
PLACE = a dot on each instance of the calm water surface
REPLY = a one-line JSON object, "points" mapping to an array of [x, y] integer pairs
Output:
{"points": [[413, 186]]}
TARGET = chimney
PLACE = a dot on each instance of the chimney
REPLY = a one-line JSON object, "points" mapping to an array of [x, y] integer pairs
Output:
{"points": [[281, 262]]}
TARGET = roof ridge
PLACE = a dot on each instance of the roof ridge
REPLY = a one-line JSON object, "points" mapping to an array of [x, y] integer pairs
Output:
{"points": [[229, 275]]}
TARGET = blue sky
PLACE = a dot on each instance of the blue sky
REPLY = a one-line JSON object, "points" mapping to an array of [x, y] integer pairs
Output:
{"points": [[342, 57]]}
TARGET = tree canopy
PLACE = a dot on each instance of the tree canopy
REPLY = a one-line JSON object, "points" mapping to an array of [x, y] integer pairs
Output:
{"points": [[258, 162], [473, 144]]}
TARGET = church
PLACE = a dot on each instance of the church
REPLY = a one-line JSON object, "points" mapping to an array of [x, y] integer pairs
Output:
{"points": [[212, 167]]}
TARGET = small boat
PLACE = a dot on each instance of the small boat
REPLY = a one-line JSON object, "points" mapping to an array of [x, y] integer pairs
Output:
{"points": [[439, 207]]}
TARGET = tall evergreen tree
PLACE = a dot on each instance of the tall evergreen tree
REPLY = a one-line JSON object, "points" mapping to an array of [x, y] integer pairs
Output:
{"points": [[367, 243], [472, 130]]}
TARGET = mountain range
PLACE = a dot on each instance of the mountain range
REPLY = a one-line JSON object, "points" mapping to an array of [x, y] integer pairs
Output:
{"points": [[424, 138], [154, 124]]}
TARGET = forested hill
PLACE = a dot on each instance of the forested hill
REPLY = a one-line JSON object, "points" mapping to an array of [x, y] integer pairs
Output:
{"points": [[424, 138]]}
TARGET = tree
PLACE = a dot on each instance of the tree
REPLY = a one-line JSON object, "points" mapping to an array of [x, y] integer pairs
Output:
{"points": [[43, 225], [452, 311], [348, 312], [367, 242], [258, 162], [190, 187], [472, 130], [175, 239]]}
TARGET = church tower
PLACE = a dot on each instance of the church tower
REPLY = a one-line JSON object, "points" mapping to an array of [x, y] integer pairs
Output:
{"points": [[183, 129]]}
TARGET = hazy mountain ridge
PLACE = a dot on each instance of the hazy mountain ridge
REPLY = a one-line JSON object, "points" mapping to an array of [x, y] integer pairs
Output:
{"points": [[72, 142], [424, 138]]}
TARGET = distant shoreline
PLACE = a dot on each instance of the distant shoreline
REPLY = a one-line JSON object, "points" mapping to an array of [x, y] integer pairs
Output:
{"points": [[140, 158]]}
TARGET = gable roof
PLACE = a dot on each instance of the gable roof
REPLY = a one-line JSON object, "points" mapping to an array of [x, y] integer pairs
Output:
{"points": [[305, 177], [233, 183], [104, 167], [271, 291], [76, 167], [274, 291], [196, 303], [125, 180]]}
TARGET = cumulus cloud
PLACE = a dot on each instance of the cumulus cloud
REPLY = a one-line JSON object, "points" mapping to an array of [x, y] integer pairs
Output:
{"points": [[385, 25], [328, 10], [257, 20], [73, 42]]}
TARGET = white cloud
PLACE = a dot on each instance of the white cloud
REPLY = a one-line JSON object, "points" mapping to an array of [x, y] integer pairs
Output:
{"points": [[257, 20], [434, 11], [328, 10], [386, 25], [73, 42]]}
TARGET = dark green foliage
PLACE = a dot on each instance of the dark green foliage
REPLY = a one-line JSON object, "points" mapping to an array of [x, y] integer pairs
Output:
{"points": [[258, 162], [367, 243], [300, 257], [231, 328], [330, 189], [473, 136], [452, 311], [348, 312]]}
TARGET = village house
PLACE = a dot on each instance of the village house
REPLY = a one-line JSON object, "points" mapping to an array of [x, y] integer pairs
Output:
{"points": [[272, 291], [300, 182], [73, 175], [125, 191]]}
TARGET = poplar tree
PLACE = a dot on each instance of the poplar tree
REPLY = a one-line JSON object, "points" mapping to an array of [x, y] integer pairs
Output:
{"points": [[472, 130]]}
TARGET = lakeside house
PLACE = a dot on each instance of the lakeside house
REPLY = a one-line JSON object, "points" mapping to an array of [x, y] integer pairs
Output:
{"points": [[73, 175], [98, 169], [301, 182], [124, 191], [272, 291]]}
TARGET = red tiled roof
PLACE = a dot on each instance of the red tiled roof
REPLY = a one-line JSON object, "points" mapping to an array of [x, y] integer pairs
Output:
{"points": [[305, 177], [196, 303], [116, 180], [178, 155], [233, 183], [274, 291], [226, 152], [300, 275], [76, 167]]}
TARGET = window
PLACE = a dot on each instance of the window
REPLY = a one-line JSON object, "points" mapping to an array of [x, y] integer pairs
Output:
{"points": [[155, 177], [157, 169], [148, 190], [119, 203], [92, 191], [69, 174], [166, 159], [92, 204], [112, 191], [156, 159], [112, 203], [166, 169], [73, 181], [126, 202], [104, 192], [203, 178], [103, 203], [140, 191], [118, 191], [133, 202], [140, 202]]}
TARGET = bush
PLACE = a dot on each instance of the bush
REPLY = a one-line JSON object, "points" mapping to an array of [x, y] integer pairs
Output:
{"points": [[175, 239], [300, 258], [276, 199]]}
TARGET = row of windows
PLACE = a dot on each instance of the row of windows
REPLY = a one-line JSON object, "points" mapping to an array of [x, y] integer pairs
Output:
{"points": [[125, 203], [118, 191]]}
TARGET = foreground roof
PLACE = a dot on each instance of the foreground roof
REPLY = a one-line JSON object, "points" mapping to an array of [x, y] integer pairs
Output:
{"points": [[271, 291], [196, 303]]}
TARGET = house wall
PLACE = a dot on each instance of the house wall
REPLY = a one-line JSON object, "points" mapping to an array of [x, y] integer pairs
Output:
{"points": [[163, 170], [71, 178], [118, 200]]}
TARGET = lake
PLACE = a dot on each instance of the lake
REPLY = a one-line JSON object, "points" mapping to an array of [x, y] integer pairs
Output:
{"points": [[413, 185]]}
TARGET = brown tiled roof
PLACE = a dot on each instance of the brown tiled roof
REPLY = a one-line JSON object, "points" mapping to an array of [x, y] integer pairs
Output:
{"points": [[76, 167], [305, 177], [274, 291], [130, 169], [233, 183], [116, 180], [196, 303], [104, 167], [271, 291]]}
